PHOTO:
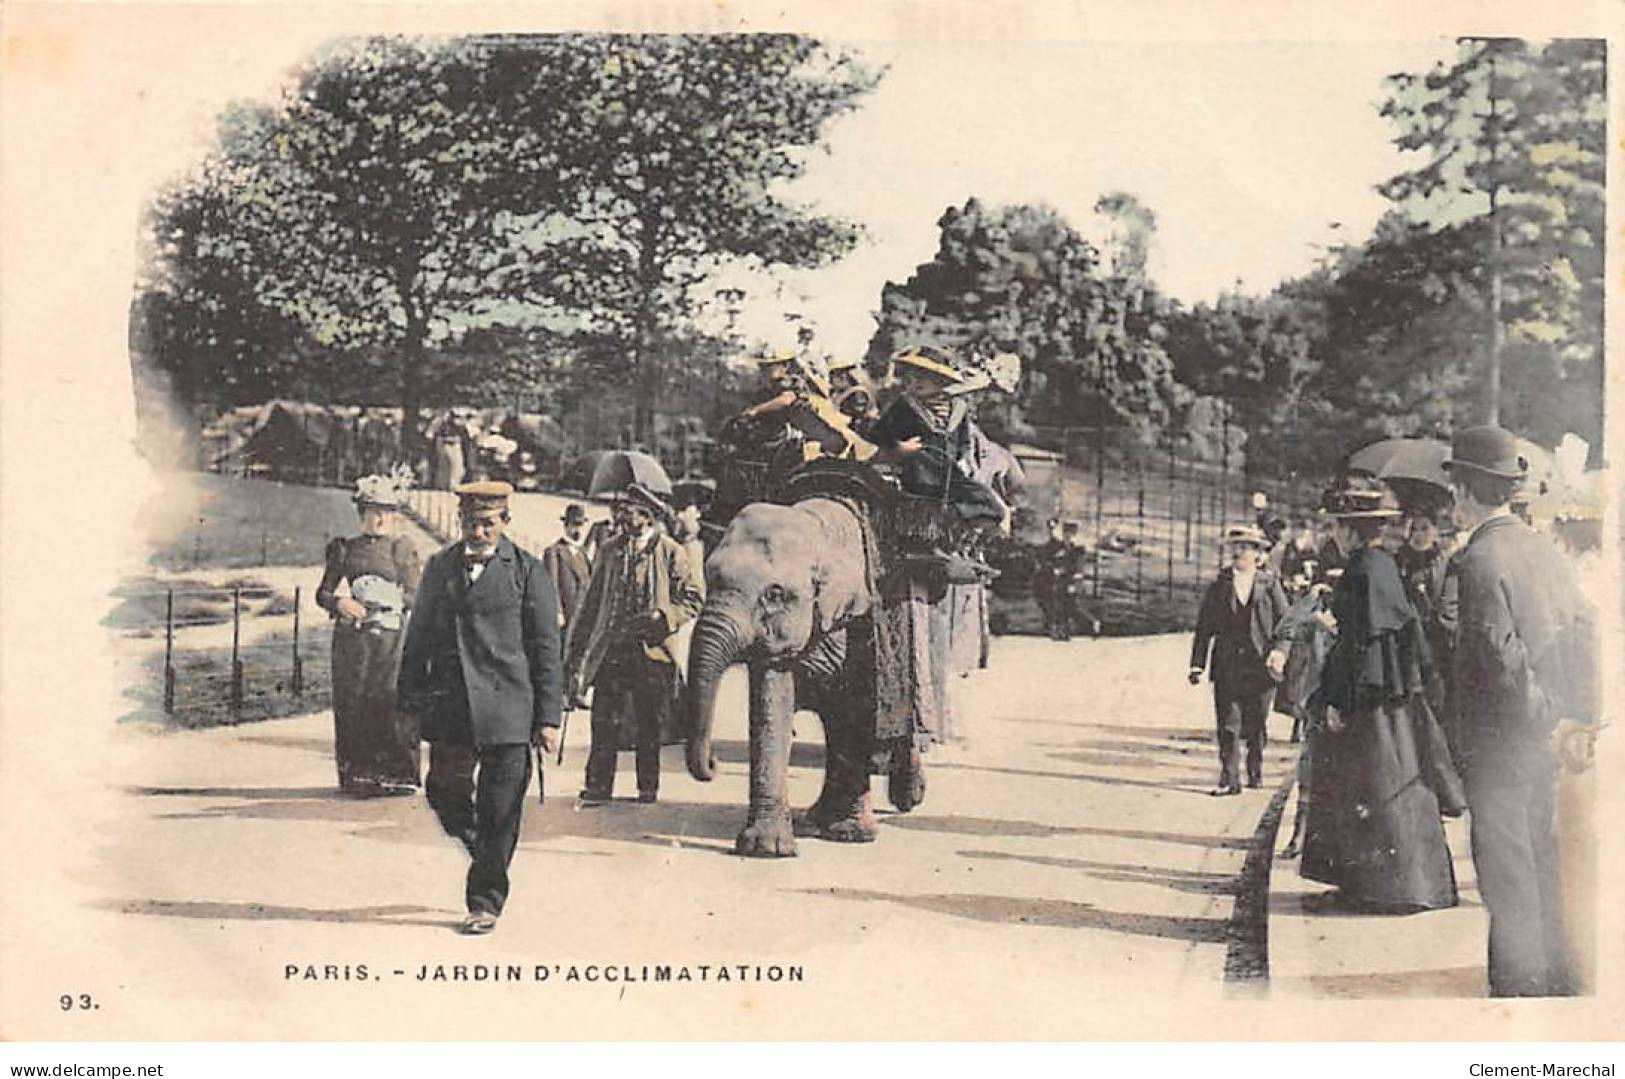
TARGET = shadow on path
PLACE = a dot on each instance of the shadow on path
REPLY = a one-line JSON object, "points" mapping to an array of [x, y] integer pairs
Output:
{"points": [[1445, 982], [1052, 913], [212, 911], [701, 826], [996, 827], [737, 751], [1186, 784], [1180, 880], [322, 747]]}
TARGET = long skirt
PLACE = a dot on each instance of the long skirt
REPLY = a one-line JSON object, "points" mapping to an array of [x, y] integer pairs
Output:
{"points": [[375, 744], [1373, 827]]}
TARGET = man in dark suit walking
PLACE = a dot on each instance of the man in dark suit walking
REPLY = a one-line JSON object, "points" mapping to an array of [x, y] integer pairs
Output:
{"points": [[1522, 679], [1237, 621], [568, 566], [481, 670]]}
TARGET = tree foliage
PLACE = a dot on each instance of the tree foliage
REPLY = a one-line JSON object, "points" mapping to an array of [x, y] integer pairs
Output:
{"points": [[1021, 279], [1514, 137], [403, 193]]}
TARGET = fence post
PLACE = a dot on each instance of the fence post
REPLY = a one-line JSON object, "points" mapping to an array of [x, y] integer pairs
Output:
{"points": [[236, 652], [1139, 543], [169, 652], [264, 552], [1173, 522], [298, 664], [197, 545]]}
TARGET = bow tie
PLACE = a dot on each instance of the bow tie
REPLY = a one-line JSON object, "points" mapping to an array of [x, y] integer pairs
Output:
{"points": [[473, 559]]}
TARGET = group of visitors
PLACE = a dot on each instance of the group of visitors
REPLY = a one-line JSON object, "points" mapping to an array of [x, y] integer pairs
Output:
{"points": [[1441, 680], [479, 652]]}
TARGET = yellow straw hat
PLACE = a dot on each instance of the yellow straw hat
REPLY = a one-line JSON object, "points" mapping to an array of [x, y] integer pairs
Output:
{"points": [[930, 360]]}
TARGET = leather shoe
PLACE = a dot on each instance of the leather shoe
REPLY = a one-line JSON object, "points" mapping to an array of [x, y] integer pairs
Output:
{"points": [[1254, 784], [591, 799], [1221, 792], [647, 797], [478, 923]]}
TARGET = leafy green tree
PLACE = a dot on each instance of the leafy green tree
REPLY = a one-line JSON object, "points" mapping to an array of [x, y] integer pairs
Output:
{"points": [[678, 151], [385, 182], [1021, 279], [198, 321], [1514, 138]]}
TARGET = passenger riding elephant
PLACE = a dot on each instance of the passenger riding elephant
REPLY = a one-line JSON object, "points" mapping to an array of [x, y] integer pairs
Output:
{"points": [[781, 588]]}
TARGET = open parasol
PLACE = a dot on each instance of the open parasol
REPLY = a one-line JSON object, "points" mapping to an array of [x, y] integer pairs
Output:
{"points": [[1412, 467], [578, 475], [619, 469]]}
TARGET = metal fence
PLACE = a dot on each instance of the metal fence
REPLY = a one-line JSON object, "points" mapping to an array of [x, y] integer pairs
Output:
{"points": [[275, 663]]}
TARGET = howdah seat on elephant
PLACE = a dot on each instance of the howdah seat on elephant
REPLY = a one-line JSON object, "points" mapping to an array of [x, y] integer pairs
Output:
{"points": [[818, 593]]}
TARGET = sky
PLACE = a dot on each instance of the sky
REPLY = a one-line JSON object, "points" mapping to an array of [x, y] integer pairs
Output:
{"points": [[1247, 153]]}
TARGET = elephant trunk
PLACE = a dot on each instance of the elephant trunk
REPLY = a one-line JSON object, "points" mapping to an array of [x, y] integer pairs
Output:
{"points": [[717, 643]]}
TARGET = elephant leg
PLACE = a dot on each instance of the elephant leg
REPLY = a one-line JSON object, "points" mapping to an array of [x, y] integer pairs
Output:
{"points": [[847, 816], [818, 689], [905, 786], [768, 832]]}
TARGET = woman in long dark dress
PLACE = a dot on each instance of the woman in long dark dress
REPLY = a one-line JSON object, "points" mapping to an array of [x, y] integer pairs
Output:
{"points": [[375, 744], [1373, 826]]}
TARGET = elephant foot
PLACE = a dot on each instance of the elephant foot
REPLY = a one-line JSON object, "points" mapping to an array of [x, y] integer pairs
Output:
{"points": [[859, 827], [768, 836], [811, 821], [905, 787]]}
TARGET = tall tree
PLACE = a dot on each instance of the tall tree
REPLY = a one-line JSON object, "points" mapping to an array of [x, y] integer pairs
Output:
{"points": [[1513, 134], [678, 151], [382, 188], [198, 320], [1021, 279]]}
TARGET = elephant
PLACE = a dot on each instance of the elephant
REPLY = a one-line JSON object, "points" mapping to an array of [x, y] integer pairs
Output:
{"points": [[782, 587]]}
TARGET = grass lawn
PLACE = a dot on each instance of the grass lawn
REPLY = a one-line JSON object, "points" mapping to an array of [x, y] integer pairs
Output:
{"points": [[224, 522], [203, 682]]}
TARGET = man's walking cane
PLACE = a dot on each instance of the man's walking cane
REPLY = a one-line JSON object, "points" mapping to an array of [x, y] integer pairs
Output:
{"points": [[541, 761]]}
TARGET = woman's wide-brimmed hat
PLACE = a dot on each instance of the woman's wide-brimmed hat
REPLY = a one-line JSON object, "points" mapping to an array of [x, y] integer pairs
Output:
{"points": [[1245, 534], [844, 363], [1488, 449], [383, 491], [774, 356], [930, 360], [1358, 498]]}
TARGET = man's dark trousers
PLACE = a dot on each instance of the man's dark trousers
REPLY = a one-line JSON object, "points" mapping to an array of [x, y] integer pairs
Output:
{"points": [[1240, 711], [484, 814], [629, 682], [1515, 856]]}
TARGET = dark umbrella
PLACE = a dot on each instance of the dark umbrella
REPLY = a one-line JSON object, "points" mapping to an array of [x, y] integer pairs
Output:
{"points": [[618, 469], [578, 477], [1412, 467], [1419, 459]]}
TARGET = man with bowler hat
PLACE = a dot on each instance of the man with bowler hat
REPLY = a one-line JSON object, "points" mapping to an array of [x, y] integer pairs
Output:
{"points": [[568, 566], [481, 670], [622, 643], [1237, 621], [1523, 680]]}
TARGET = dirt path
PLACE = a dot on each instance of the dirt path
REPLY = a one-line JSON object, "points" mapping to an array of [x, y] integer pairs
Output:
{"points": [[1067, 851]]}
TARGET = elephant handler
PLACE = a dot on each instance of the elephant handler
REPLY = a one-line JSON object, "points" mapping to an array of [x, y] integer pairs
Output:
{"points": [[622, 643], [481, 670]]}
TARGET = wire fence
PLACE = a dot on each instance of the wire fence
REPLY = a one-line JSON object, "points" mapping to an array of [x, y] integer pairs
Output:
{"points": [[1151, 524], [275, 664]]}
